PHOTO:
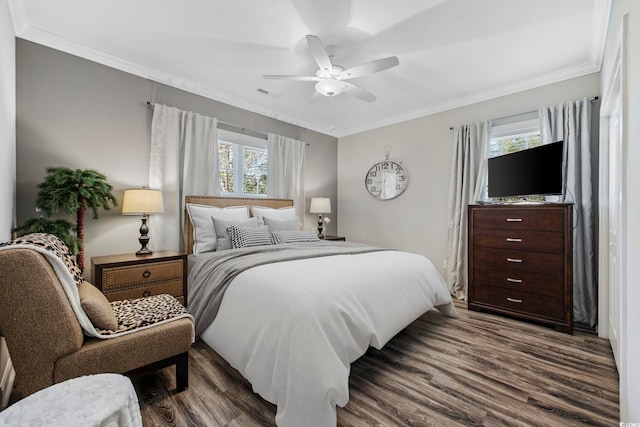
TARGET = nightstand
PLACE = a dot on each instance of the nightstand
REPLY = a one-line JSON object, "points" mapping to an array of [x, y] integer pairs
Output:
{"points": [[335, 238], [130, 276]]}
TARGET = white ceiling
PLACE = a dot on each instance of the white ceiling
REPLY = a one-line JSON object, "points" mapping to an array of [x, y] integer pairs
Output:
{"points": [[451, 52]]}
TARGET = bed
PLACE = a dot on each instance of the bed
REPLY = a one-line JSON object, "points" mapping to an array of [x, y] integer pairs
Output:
{"points": [[292, 317]]}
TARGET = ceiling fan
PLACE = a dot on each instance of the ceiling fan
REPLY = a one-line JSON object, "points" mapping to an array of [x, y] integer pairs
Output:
{"points": [[332, 79]]}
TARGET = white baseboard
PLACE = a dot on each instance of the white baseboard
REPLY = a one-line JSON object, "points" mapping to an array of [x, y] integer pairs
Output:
{"points": [[6, 385]]}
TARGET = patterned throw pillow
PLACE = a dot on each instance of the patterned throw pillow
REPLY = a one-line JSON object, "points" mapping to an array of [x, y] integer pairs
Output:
{"points": [[54, 245], [281, 237], [243, 237]]}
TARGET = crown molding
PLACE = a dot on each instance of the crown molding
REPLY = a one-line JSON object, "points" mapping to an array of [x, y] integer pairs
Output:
{"points": [[504, 90], [18, 16], [24, 31]]}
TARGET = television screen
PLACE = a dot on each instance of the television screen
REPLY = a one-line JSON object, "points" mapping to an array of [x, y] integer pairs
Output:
{"points": [[534, 171]]}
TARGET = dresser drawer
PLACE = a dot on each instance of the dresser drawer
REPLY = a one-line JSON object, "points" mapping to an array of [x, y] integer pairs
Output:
{"points": [[524, 281], [519, 219], [172, 287], [513, 261], [149, 273], [523, 240], [520, 302]]}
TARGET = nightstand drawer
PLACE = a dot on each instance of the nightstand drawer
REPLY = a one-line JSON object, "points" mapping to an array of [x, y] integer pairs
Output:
{"points": [[115, 277], [130, 276], [128, 291]]}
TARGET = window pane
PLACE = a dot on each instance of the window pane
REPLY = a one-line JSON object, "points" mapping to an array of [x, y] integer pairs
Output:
{"points": [[255, 171], [512, 143], [225, 166]]}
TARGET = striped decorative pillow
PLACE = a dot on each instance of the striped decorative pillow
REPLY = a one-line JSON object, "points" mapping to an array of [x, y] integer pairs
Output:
{"points": [[280, 237], [244, 237]]}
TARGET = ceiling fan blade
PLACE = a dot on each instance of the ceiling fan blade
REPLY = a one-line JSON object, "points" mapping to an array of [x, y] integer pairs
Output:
{"points": [[319, 53], [286, 77], [369, 68], [359, 92]]}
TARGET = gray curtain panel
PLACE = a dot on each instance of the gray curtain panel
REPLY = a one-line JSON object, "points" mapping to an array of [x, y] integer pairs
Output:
{"points": [[465, 188], [571, 122]]}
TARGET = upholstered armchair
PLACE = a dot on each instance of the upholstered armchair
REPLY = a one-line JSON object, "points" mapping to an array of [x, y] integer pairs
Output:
{"points": [[47, 343]]}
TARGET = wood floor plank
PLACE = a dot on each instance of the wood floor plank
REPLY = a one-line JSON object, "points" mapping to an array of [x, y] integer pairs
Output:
{"points": [[480, 369]]}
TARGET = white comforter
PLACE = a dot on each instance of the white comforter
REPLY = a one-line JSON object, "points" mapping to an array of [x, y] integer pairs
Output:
{"points": [[293, 328]]}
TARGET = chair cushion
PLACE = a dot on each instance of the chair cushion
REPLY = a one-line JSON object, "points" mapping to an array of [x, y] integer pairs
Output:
{"points": [[127, 352], [97, 307]]}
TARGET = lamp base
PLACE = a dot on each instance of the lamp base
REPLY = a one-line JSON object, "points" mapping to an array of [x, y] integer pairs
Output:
{"points": [[320, 227], [144, 239]]}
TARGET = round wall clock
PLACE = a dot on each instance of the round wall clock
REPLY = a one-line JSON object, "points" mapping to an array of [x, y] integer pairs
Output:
{"points": [[386, 180]]}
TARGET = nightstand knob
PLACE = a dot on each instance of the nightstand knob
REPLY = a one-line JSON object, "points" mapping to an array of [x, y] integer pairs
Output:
{"points": [[146, 293], [146, 274]]}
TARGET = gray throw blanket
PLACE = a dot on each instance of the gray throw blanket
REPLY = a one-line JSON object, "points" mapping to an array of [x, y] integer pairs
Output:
{"points": [[212, 272]]}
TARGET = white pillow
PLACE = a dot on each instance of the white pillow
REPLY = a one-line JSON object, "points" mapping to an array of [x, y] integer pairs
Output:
{"points": [[292, 224], [282, 213], [221, 226], [204, 236]]}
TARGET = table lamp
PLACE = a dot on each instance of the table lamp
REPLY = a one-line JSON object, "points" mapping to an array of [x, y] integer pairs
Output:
{"points": [[142, 201], [320, 205]]}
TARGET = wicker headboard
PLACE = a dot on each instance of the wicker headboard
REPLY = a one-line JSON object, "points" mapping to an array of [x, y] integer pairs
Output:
{"points": [[224, 202]]}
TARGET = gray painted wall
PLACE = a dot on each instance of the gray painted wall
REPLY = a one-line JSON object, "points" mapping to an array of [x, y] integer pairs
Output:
{"points": [[417, 220], [7, 159], [77, 113]]}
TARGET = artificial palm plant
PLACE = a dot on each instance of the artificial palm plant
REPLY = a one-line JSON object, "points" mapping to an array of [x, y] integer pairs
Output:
{"points": [[74, 191]]}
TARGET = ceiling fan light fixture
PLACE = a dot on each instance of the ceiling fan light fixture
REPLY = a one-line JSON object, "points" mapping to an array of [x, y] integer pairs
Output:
{"points": [[330, 87]]}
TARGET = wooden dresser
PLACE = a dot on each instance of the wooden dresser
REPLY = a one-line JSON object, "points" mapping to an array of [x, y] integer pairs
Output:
{"points": [[129, 276], [521, 262]]}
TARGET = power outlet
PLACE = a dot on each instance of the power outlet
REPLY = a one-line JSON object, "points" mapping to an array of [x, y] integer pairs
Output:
{"points": [[445, 264]]}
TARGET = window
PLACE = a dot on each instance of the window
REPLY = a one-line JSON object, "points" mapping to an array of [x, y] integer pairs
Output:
{"points": [[514, 133], [242, 164], [511, 134]]}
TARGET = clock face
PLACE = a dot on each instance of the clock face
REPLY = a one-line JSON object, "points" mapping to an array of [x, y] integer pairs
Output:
{"points": [[386, 180]]}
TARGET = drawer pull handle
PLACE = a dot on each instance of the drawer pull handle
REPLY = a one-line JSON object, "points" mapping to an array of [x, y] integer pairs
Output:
{"points": [[146, 293], [514, 260], [512, 239], [509, 279], [146, 274], [514, 219], [514, 300]]}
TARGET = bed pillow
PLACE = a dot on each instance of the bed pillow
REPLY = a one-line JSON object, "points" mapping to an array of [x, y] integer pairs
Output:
{"points": [[281, 237], [292, 224], [243, 237], [97, 307], [282, 213], [204, 236], [221, 226]]}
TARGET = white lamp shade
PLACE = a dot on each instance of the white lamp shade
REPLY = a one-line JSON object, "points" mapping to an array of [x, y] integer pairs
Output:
{"points": [[320, 205], [140, 201]]}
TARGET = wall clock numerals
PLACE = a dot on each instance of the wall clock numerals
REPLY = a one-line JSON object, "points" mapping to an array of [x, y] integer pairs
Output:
{"points": [[386, 180]]}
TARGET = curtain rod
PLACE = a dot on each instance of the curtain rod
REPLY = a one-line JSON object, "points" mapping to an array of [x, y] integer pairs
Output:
{"points": [[232, 127], [595, 98]]}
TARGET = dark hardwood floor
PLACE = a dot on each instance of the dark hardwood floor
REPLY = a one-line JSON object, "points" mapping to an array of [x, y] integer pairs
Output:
{"points": [[479, 369]]}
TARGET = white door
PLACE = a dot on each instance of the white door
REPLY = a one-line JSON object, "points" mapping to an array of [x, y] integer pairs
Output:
{"points": [[615, 211]]}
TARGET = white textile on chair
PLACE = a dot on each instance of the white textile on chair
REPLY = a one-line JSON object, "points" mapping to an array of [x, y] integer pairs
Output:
{"points": [[103, 400]]}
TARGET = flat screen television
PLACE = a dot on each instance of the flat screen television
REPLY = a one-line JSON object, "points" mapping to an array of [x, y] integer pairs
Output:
{"points": [[534, 171]]}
